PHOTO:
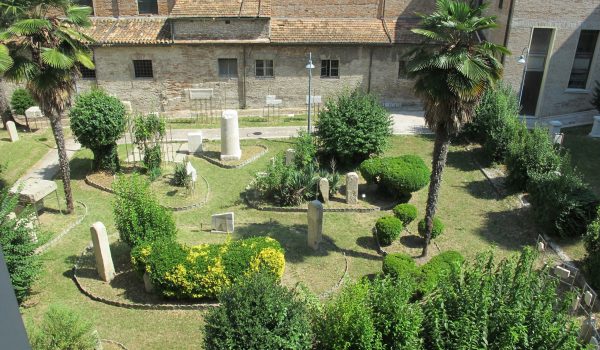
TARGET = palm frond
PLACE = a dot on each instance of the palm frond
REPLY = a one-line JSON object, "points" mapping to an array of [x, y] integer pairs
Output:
{"points": [[22, 69], [85, 58], [79, 16], [5, 60], [29, 26], [56, 59]]}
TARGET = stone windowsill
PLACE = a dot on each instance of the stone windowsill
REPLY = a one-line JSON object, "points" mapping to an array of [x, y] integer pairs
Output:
{"points": [[577, 91]]}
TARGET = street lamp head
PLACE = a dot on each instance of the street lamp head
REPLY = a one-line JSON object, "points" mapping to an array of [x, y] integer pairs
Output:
{"points": [[521, 59], [310, 65]]}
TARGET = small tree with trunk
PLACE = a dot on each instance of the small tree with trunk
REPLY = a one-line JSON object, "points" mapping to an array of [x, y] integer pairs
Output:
{"points": [[98, 120], [43, 48], [451, 70]]}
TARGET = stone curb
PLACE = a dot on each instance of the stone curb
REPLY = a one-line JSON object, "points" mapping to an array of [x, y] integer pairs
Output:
{"points": [[108, 341], [344, 275], [44, 247], [128, 305], [184, 208], [253, 205], [243, 164]]}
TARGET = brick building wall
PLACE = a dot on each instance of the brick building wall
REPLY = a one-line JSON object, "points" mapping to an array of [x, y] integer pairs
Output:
{"points": [[221, 29]]}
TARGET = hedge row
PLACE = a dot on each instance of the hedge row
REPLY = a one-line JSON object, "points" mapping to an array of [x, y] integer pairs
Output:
{"points": [[182, 272], [397, 175]]}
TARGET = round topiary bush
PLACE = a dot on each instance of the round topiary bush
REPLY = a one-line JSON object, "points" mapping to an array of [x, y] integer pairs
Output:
{"points": [[258, 313], [21, 100], [404, 175], [438, 228], [399, 265], [407, 213], [388, 229], [353, 127], [98, 121], [370, 170], [437, 268]]}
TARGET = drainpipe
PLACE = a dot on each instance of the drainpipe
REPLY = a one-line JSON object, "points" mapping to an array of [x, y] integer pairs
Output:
{"points": [[508, 27], [243, 99], [370, 69]]}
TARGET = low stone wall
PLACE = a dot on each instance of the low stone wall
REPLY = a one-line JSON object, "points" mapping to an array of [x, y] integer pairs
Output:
{"points": [[238, 166]]}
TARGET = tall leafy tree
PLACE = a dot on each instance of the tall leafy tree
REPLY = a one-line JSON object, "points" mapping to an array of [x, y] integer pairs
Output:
{"points": [[452, 70], [42, 48]]}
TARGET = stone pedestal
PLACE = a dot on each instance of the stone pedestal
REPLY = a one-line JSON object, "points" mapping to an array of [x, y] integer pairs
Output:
{"points": [[352, 188], [223, 223], [315, 224], [230, 136], [324, 189], [104, 262], [33, 112], [194, 142], [596, 128], [128, 107], [148, 286], [555, 127], [290, 154], [12, 131]]}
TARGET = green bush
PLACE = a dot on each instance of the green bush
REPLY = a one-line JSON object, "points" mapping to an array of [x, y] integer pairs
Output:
{"points": [[148, 132], [496, 122], [562, 202], [21, 100], [152, 160], [352, 128], [138, 216], [596, 96], [98, 121], [407, 213], [63, 329], [16, 243], [592, 248], [305, 150], [439, 267], [438, 228], [397, 175], [258, 314], [371, 315], [204, 271], [388, 229], [530, 153], [499, 305], [400, 265], [180, 175]]}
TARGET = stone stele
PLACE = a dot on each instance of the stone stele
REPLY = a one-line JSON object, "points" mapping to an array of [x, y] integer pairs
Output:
{"points": [[104, 262], [324, 189], [352, 188], [596, 128], [194, 142], [12, 131], [230, 136], [290, 154], [315, 224], [223, 223]]}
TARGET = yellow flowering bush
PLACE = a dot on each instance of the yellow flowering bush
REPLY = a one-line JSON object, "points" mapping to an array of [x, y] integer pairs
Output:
{"points": [[204, 271]]}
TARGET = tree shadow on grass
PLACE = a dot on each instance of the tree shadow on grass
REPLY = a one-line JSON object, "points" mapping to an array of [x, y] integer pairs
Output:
{"points": [[512, 229], [80, 167], [482, 189], [412, 241], [462, 159]]}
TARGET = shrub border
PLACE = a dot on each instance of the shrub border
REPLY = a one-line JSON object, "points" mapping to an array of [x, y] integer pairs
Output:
{"points": [[175, 209], [41, 249], [241, 165]]}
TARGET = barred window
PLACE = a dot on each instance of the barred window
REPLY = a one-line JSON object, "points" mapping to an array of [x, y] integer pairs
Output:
{"points": [[330, 68], [88, 3], [147, 7], [583, 59], [264, 68], [143, 69], [228, 68], [87, 73], [402, 72]]}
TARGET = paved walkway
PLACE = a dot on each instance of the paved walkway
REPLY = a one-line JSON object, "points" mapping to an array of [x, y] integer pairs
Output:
{"points": [[47, 167]]}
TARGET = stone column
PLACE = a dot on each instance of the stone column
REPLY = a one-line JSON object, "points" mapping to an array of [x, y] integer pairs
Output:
{"points": [[12, 131], [315, 224], [194, 142], [324, 189], [104, 262], [230, 136], [596, 128], [289, 156], [352, 188]]}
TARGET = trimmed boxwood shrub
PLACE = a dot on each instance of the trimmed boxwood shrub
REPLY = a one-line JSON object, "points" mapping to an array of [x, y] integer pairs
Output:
{"points": [[98, 121], [181, 272], [21, 100], [400, 265], [257, 314], [437, 268], [138, 215], [438, 228], [388, 229], [397, 175], [407, 213], [353, 127]]}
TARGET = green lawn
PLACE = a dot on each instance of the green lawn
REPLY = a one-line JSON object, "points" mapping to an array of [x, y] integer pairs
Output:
{"points": [[476, 220], [17, 157]]}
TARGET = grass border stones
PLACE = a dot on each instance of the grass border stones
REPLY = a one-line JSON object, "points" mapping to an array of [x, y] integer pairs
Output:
{"points": [[41, 249], [238, 166]]}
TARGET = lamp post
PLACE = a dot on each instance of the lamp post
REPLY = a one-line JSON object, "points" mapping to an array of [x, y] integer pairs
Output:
{"points": [[523, 60], [310, 66]]}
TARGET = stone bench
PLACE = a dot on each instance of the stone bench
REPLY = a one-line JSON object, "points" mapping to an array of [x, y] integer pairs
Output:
{"points": [[33, 191]]}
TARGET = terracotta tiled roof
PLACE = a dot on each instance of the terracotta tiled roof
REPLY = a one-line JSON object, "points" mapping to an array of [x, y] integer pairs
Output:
{"points": [[221, 8], [400, 30], [138, 30], [328, 31]]}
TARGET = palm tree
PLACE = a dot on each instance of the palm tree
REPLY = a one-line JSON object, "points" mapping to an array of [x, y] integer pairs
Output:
{"points": [[451, 71], [46, 45]]}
